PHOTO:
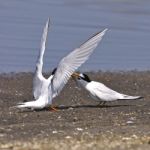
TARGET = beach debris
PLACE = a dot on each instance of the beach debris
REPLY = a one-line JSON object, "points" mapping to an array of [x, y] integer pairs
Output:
{"points": [[79, 129]]}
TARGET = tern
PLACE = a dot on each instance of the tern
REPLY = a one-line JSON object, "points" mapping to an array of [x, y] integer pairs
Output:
{"points": [[45, 89], [98, 91]]}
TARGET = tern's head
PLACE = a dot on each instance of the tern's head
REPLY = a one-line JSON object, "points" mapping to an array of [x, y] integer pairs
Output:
{"points": [[54, 70], [81, 76]]}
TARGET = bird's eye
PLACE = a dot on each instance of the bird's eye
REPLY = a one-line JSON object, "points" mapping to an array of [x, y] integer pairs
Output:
{"points": [[79, 78]]}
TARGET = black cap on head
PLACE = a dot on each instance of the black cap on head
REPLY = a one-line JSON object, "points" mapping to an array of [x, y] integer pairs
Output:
{"points": [[54, 70], [86, 78]]}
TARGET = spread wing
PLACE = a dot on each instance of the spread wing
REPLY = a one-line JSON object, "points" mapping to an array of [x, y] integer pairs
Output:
{"points": [[73, 60], [37, 79]]}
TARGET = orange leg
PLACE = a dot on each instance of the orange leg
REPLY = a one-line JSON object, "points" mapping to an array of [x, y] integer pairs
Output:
{"points": [[51, 108]]}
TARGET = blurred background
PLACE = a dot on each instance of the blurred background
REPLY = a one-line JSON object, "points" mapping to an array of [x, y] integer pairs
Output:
{"points": [[125, 46]]}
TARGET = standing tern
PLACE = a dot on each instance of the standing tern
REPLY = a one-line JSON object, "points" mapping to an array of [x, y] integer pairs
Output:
{"points": [[44, 90], [98, 91]]}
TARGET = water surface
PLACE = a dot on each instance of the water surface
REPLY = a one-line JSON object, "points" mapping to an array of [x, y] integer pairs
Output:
{"points": [[124, 47]]}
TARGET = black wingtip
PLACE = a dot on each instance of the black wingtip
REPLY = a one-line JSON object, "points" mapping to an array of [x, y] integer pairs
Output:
{"points": [[140, 97], [100, 32]]}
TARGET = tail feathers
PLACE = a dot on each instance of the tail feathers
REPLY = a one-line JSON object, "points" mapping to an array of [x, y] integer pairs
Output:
{"points": [[20, 103], [21, 106], [128, 97], [26, 105]]}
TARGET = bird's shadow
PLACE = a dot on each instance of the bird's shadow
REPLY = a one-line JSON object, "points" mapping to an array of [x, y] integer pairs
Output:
{"points": [[88, 106], [63, 107]]}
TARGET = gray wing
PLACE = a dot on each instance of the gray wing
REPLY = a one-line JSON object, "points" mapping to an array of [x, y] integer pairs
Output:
{"points": [[37, 79], [73, 60], [110, 95]]}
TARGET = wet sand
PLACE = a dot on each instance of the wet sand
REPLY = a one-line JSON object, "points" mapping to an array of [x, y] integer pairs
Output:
{"points": [[79, 123]]}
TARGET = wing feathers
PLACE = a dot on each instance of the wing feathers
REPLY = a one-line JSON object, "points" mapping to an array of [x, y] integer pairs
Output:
{"points": [[43, 42], [37, 82], [74, 60]]}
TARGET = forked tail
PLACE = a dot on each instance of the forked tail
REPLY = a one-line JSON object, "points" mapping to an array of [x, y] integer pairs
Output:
{"points": [[128, 97], [26, 105]]}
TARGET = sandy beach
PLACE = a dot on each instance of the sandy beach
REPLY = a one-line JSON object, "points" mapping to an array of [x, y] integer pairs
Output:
{"points": [[79, 122]]}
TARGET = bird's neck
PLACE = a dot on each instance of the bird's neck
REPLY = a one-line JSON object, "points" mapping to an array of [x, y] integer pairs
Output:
{"points": [[83, 83]]}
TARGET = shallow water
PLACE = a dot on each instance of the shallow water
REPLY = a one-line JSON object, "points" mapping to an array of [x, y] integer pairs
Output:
{"points": [[124, 47]]}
